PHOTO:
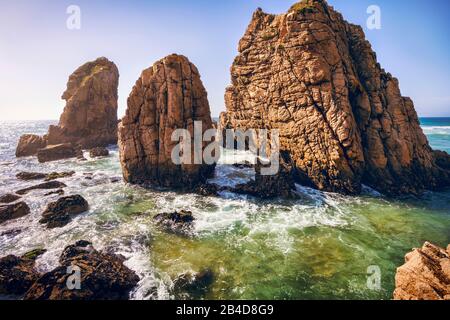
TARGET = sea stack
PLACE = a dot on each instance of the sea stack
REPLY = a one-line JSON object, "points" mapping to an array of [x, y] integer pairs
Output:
{"points": [[168, 96], [89, 118], [341, 117]]}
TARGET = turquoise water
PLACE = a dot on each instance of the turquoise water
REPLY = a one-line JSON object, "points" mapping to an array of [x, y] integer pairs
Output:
{"points": [[320, 246]]}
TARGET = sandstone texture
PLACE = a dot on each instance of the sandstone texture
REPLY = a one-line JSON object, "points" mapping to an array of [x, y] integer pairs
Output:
{"points": [[168, 96], [89, 118], [425, 275], [342, 119], [56, 152], [29, 144], [103, 276]]}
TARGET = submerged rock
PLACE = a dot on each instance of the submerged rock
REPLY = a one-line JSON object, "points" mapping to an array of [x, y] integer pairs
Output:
{"points": [[89, 118], [179, 222], [60, 213], [59, 175], [13, 211], [29, 144], [425, 275], [44, 186], [341, 117], [193, 286], [168, 96], [98, 152], [58, 192], [8, 198], [17, 274], [103, 276], [56, 152]]}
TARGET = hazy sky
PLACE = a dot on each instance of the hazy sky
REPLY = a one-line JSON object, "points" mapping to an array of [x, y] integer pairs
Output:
{"points": [[38, 52]]}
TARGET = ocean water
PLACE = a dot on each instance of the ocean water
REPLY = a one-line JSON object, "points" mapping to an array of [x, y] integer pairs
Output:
{"points": [[320, 246]]}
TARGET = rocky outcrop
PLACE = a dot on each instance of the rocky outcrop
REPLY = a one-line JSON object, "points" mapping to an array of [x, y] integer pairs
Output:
{"points": [[98, 152], [314, 77], [60, 213], [103, 276], [29, 144], [28, 176], [17, 274], [190, 286], [43, 186], [8, 198], [179, 222], [89, 118], [56, 152], [168, 96], [13, 211], [425, 275]]}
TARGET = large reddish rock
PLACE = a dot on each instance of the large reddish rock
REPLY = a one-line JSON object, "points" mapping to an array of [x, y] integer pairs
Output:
{"points": [[29, 144], [168, 96], [56, 152], [341, 117], [425, 275], [89, 118]]}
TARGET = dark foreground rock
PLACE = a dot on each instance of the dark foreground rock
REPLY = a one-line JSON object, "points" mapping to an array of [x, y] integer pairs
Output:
{"points": [[168, 96], [29, 144], [179, 222], [29, 176], [46, 185], [60, 213], [98, 152], [56, 152], [17, 274], [8, 198], [425, 275], [103, 276], [13, 211], [193, 286], [341, 117]]}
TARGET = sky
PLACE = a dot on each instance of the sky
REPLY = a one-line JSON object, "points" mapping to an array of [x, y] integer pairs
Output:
{"points": [[38, 52]]}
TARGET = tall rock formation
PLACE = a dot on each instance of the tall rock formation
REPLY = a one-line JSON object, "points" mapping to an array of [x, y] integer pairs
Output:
{"points": [[341, 117], [168, 96], [89, 118]]}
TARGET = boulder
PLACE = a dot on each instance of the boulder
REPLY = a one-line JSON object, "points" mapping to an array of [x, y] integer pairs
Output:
{"points": [[17, 274], [179, 222], [103, 276], [28, 176], [43, 186], [8, 198], [13, 211], [98, 152], [425, 275], [314, 77], [60, 213], [56, 152], [58, 175], [29, 144], [168, 96]]}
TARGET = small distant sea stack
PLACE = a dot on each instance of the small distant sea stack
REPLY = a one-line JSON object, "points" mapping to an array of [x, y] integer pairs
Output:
{"points": [[89, 118], [168, 96]]}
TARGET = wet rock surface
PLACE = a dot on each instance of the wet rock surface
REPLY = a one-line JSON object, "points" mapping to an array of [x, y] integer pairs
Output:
{"points": [[13, 211], [8, 198], [168, 96], [315, 78], [98, 152], [56, 152], [425, 274], [17, 274], [179, 222], [60, 213], [29, 176], [43, 186], [103, 276]]}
